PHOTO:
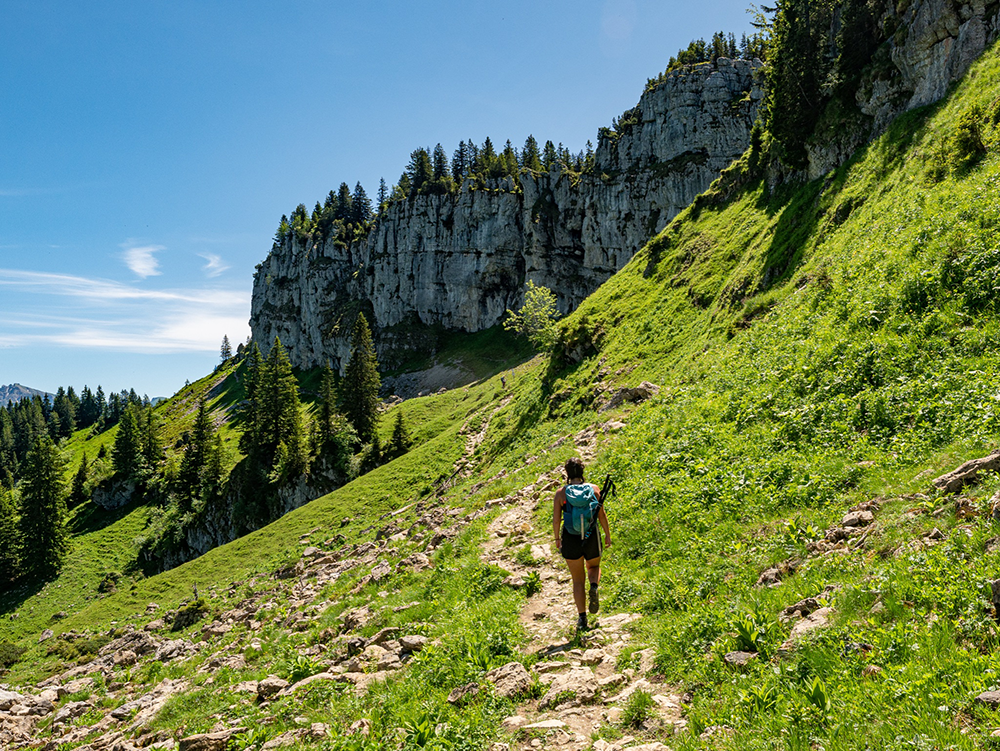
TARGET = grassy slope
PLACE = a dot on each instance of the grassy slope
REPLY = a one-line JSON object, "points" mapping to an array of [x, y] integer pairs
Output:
{"points": [[817, 346]]}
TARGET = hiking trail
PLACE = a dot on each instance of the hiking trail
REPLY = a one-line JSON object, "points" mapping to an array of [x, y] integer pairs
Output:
{"points": [[584, 689]]}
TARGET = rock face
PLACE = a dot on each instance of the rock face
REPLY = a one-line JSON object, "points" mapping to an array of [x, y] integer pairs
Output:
{"points": [[460, 261], [930, 45]]}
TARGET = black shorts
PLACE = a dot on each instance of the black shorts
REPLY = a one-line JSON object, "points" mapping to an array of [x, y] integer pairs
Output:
{"points": [[573, 548]]}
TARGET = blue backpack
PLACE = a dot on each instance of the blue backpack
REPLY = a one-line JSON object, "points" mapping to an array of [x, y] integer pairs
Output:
{"points": [[580, 510]]}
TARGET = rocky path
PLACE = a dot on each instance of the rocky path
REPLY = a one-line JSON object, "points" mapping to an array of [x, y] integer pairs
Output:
{"points": [[587, 683]]}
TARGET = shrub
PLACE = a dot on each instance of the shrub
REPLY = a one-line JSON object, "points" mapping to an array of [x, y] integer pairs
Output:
{"points": [[10, 653]]}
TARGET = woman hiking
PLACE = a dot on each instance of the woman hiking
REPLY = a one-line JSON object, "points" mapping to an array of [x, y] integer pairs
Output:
{"points": [[574, 507]]}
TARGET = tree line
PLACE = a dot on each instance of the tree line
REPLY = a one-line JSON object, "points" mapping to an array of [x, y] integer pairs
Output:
{"points": [[347, 217], [281, 442]]}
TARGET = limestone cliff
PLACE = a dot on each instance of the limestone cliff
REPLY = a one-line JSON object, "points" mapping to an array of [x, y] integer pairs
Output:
{"points": [[928, 45], [459, 261]]}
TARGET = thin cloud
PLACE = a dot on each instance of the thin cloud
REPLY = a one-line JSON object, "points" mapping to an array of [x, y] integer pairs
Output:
{"points": [[215, 265], [142, 260], [98, 314]]}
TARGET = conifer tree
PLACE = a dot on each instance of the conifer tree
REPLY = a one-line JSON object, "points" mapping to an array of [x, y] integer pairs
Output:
{"points": [[460, 163], [383, 196], [361, 206], [127, 450], [226, 350], [78, 491], [400, 442], [531, 158], [344, 203], [214, 474], [419, 169], [549, 155], [10, 544], [8, 457], [440, 163], [282, 416], [196, 455], [43, 509], [362, 382]]}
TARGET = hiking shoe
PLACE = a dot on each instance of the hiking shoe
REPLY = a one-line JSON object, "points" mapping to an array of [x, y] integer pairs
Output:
{"points": [[594, 600], [581, 622]]}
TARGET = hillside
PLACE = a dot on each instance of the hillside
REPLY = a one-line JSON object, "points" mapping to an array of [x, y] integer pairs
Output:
{"points": [[784, 572]]}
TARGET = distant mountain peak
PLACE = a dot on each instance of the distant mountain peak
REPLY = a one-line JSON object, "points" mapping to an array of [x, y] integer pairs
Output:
{"points": [[15, 392]]}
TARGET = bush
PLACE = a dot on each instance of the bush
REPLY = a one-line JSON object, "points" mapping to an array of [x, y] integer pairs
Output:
{"points": [[10, 653]]}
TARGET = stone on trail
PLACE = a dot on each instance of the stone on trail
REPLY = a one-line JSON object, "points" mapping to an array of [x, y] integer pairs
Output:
{"points": [[545, 725], [580, 683], [509, 680]]}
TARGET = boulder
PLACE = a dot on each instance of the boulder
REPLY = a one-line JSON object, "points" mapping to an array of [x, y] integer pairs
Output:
{"points": [[967, 473], [412, 642], [9, 698], [270, 686], [578, 685], [510, 680]]}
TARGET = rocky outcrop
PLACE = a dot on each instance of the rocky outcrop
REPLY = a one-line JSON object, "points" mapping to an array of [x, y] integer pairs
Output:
{"points": [[928, 46], [459, 261]]}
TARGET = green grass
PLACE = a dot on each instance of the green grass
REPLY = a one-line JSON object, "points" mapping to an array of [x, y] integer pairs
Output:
{"points": [[817, 346]]}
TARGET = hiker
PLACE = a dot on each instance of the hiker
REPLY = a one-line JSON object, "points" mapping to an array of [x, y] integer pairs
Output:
{"points": [[503, 381], [576, 506]]}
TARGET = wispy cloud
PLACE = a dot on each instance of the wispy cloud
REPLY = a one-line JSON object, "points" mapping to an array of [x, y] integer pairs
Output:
{"points": [[107, 315], [215, 265], [142, 260]]}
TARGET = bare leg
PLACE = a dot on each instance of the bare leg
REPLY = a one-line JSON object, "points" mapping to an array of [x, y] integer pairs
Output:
{"points": [[577, 570], [594, 570]]}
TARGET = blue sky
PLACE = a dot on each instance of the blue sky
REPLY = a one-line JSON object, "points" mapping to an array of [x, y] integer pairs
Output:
{"points": [[150, 149]]}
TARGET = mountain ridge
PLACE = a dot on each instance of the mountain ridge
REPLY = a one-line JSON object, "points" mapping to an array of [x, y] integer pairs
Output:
{"points": [[15, 392]]}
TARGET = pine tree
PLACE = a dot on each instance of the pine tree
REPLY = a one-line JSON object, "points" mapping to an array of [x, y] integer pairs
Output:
{"points": [[226, 350], [126, 454], [361, 206], [531, 158], [383, 196], [196, 451], [400, 442], [8, 456], [440, 163], [549, 155], [282, 415], [344, 203], [214, 475], [250, 411], [362, 382], [43, 509], [460, 163], [78, 491], [419, 169], [10, 543]]}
